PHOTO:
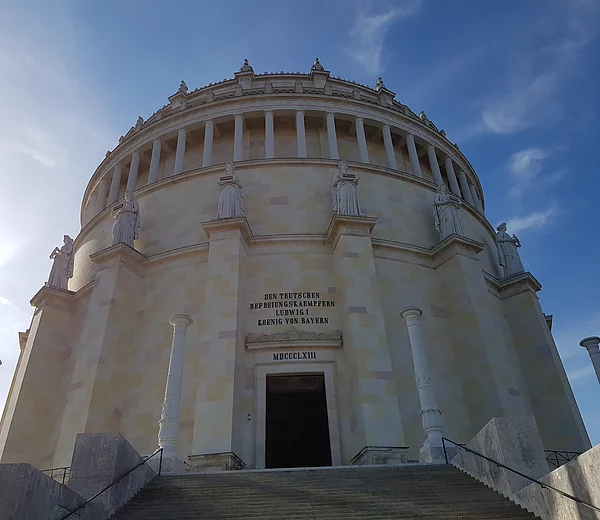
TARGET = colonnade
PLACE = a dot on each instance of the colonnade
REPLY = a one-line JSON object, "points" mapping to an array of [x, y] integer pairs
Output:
{"points": [[458, 183]]}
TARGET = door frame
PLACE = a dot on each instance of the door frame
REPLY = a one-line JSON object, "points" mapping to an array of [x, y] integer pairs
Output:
{"points": [[261, 404]]}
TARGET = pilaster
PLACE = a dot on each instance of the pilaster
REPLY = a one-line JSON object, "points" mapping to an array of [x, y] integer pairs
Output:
{"points": [[375, 421], [493, 383], [108, 328], [547, 384], [218, 420]]}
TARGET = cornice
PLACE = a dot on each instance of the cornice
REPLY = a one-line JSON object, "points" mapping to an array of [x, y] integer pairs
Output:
{"points": [[122, 254], [61, 299], [218, 228], [513, 285], [294, 338], [347, 225], [455, 245]]}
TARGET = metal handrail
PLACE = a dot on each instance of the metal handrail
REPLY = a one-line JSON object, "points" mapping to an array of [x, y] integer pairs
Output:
{"points": [[56, 473], [560, 457], [500, 465], [144, 460]]}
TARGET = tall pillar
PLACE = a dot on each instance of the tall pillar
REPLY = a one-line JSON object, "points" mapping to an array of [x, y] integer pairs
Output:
{"points": [[115, 185], [464, 187], [180, 153], [377, 429], [476, 198], [238, 138], [269, 135], [133, 171], [154, 161], [363, 152], [101, 197], [435, 167], [389, 147], [209, 132], [432, 450], [168, 432], [414, 156], [591, 344], [300, 133], [332, 136], [451, 177]]}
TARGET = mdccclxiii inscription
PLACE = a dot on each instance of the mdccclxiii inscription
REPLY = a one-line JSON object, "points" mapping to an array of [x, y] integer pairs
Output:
{"points": [[292, 308], [280, 356]]}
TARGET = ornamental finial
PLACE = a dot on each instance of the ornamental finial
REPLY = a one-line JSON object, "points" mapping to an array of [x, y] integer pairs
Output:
{"points": [[246, 66], [317, 66]]}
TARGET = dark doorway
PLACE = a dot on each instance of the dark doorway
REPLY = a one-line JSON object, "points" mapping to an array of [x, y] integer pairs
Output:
{"points": [[297, 427]]}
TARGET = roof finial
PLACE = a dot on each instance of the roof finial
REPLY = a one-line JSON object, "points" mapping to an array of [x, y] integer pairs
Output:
{"points": [[183, 88], [317, 66], [246, 66], [380, 84]]}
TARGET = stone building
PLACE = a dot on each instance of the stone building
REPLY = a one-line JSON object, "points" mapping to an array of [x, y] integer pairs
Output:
{"points": [[305, 325]]}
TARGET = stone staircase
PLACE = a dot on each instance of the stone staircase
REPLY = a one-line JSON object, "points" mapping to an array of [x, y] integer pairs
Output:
{"points": [[402, 492]]}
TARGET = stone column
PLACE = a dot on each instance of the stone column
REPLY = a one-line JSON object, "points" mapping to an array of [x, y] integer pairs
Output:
{"points": [[133, 171], [269, 135], [332, 136], [115, 185], [101, 197], [414, 156], [389, 147], [432, 450], [238, 138], [363, 152], [180, 153], [300, 133], [209, 131], [476, 198], [451, 177], [168, 432], [591, 344], [154, 161], [464, 187], [435, 167]]}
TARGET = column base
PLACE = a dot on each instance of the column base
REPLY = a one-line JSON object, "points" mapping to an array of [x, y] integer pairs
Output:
{"points": [[169, 466], [209, 462], [387, 455], [432, 452]]}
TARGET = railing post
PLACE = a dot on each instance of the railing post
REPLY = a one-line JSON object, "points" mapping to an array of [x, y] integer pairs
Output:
{"points": [[444, 446]]}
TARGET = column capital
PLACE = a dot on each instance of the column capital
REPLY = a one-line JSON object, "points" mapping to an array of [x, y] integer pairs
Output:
{"points": [[269, 111], [411, 312], [385, 125], [180, 319], [590, 343], [300, 111]]}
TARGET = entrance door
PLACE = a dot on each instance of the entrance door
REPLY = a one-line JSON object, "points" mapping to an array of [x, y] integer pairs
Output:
{"points": [[297, 431]]}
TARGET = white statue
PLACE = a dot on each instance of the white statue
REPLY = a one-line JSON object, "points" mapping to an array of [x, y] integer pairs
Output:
{"points": [[62, 265], [445, 213], [380, 84], [183, 88], [246, 67], [231, 199], [344, 192], [127, 221], [317, 66], [508, 256]]}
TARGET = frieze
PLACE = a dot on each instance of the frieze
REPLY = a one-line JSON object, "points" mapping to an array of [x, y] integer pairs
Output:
{"points": [[294, 334]]}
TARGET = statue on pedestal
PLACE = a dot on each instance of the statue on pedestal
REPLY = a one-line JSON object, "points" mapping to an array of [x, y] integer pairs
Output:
{"points": [[508, 255], [126, 228], [231, 199], [317, 66], [62, 265], [445, 213], [344, 192], [246, 67]]}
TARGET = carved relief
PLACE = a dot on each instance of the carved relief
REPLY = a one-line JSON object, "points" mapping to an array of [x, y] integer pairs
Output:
{"points": [[294, 334]]}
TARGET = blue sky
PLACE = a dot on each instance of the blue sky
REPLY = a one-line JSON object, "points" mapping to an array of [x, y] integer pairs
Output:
{"points": [[514, 83]]}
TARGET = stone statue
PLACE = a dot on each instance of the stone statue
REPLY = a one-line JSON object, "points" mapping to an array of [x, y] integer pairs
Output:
{"points": [[62, 265], [423, 117], [344, 192], [127, 221], [139, 122], [380, 84], [508, 256], [246, 67], [183, 88], [317, 66], [445, 213], [231, 199]]}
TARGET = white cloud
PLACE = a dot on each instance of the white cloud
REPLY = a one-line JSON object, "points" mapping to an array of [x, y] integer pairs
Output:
{"points": [[524, 166], [369, 30], [533, 221]]}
